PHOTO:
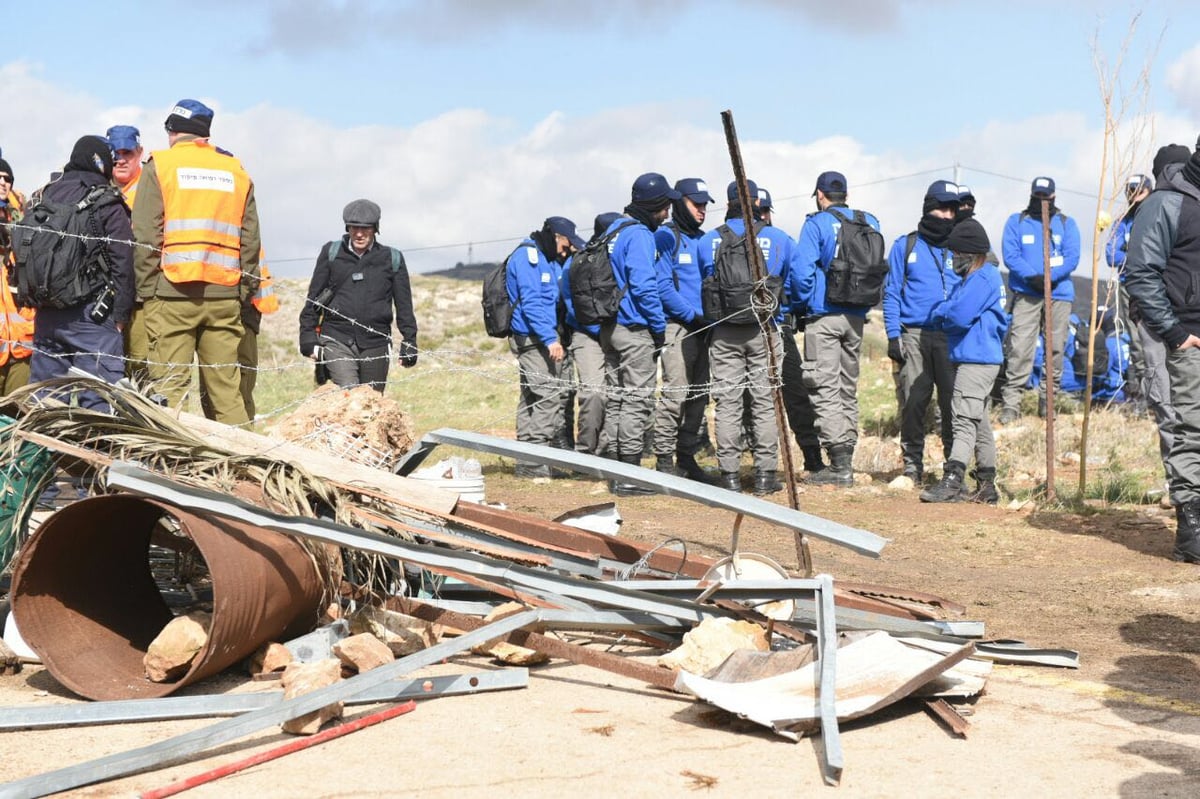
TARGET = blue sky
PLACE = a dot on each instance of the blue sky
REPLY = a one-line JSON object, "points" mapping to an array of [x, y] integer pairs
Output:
{"points": [[471, 120]]}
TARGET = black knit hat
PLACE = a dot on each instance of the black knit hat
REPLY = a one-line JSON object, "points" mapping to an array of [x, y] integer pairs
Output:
{"points": [[969, 238], [190, 116], [5, 169], [91, 154], [1170, 154]]}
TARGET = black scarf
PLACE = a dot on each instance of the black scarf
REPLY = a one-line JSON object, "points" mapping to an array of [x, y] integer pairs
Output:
{"points": [[684, 221], [934, 229], [1191, 170], [545, 241], [644, 213], [1035, 208]]}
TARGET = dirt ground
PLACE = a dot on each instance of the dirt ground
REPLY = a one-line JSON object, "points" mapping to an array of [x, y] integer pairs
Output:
{"points": [[1127, 723]]}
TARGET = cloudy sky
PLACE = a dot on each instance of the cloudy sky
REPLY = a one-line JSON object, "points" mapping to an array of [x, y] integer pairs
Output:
{"points": [[470, 121]]}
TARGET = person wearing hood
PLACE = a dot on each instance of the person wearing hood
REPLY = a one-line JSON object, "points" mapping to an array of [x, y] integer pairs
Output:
{"points": [[1024, 255], [196, 223], [1162, 268], [88, 335], [679, 413], [974, 322], [921, 275], [532, 275], [632, 341], [587, 359], [16, 324]]}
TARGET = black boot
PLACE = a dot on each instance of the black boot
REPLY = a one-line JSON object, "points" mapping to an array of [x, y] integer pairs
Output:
{"points": [[766, 482], [813, 462], [1187, 534], [629, 489], [531, 471], [950, 487], [731, 481], [839, 472], [985, 487], [666, 464], [914, 472], [686, 466]]}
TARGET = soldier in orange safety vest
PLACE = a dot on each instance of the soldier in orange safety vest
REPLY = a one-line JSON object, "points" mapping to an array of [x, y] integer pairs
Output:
{"points": [[126, 144], [196, 224], [16, 324]]}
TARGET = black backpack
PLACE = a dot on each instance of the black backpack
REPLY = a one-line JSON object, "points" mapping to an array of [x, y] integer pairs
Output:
{"points": [[595, 294], [859, 267], [497, 310], [728, 294], [61, 258], [1079, 359]]}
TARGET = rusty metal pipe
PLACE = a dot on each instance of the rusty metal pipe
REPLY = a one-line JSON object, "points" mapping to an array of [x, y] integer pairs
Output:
{"points": [[86, 602]]}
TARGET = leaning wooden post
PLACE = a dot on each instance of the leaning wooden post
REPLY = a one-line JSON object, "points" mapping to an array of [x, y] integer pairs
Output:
{"points": [[1048, 349]]}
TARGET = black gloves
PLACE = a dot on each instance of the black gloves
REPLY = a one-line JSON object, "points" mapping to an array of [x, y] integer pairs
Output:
{"points": [[698, 324], [894, 351], [1037, 283], [308, 344], [408, 354], [660, 341]]}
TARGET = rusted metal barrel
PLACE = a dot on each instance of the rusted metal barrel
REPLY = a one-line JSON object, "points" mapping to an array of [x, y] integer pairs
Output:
{"points": [[86, 602]]}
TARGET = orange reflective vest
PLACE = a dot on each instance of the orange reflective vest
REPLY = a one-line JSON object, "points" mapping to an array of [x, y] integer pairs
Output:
{"points": [[16, 324], [129, 190], [264, 299], [204, 198]]}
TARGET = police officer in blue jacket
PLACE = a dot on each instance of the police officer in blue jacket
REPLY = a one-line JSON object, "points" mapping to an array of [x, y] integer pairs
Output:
{"points": [[921, 275], [679, 414], [532, 278], [587, 359], [738, 356], [1023, 255], [833, 333], [974, 321], [631, 342]]}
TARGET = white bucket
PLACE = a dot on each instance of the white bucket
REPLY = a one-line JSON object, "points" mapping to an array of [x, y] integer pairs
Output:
{"points": [[462, 477], [12, 637]]}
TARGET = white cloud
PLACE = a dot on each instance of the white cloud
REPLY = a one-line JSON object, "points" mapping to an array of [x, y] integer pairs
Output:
{"points": [[1183, 79]]}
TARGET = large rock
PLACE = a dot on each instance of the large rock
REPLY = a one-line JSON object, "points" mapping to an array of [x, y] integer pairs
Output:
{"points": [[270, 657], [302, 678], [363, 652], [171, 653], [503, 651], [710, 642], [403, 634]]}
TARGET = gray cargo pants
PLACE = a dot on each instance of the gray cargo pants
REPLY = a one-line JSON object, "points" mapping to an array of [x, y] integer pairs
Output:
{"points": [[539, 409], [1021, 344], [1183, 464], [679, 414], [831, 349], [588, 359], [1156, 389], [972, 428], [630, 373], [802, 418], [740, 367]]}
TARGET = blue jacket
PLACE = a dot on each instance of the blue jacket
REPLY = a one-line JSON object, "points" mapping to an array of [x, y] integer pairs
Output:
{"points": [[779, 256], [564, 283], [1118, 244], [678, 273], [634, 259], [974, 319], [1111, 384], [533, 291], [816, 246], [1023, 254], [914, 286]]}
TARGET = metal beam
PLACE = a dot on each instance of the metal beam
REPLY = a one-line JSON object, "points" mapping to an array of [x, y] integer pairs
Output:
{"points": [[861, 541], [125, 711]]}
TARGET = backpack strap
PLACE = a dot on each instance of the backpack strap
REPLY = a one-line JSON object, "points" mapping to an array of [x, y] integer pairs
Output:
{"points": [[333, 249], [910, 244]]}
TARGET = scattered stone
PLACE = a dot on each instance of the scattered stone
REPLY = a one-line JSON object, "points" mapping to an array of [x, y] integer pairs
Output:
{"points": [[270, 657], [903, 483], [363, 652], [171, 653], [303, 678], [503, 651], [708, 644], [402, 634]]}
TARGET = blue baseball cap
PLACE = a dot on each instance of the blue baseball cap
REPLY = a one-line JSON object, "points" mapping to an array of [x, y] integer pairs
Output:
{"points": [[943, 192], [653, 186], [695, 189], [1042, 187], [965, 194], [764, 200], [831, 182], [731, 193], [123, 137], [565, 227], [603, 222], [190, 116]]}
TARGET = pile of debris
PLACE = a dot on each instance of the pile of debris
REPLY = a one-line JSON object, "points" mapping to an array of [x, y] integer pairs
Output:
{"points": [[358, 424], [438, 578]]}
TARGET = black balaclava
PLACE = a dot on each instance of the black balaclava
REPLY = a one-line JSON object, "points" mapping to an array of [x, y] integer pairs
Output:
{"points": [[91, 154], [546, 242], [644, 211], [932, 228], [682, 216], [1191, 170], [1035, 207]]}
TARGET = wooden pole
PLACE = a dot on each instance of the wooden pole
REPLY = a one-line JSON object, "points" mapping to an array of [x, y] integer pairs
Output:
{"points": [[1048, 349]]}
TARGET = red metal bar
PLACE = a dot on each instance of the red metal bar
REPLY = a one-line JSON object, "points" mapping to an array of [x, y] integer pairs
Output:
{"points": [[279, 751]]}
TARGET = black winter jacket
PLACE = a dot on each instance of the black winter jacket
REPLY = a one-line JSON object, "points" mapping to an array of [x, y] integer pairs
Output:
{"points": [[1162, 265], [113, 220], [364, 292]]}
